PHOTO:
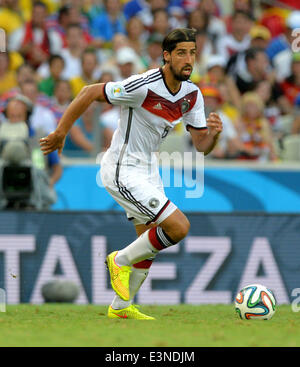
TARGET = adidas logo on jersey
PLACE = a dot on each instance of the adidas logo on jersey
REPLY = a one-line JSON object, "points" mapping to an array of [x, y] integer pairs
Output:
{"points": [[158, 106]]}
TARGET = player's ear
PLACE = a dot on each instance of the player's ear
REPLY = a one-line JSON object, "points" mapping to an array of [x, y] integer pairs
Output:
{"points": [[166, 56]]}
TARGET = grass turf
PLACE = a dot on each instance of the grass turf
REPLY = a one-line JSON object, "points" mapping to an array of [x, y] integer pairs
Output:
{"points": [[176, 326]]}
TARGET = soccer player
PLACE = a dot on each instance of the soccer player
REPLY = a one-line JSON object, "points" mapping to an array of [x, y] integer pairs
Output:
{"points": [[151, 104]]}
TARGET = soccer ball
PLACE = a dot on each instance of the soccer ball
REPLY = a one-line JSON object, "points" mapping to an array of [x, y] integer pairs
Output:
{"points": [[255, 301]]}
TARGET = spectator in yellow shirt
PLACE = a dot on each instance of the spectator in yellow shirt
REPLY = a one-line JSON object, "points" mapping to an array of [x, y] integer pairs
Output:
{"points": [[7, 77], [90, 72], [10, 16]]}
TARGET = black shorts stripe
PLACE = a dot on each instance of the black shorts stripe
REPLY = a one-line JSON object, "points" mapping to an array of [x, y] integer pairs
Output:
{"points": [[128, 196], [143, 207], [160, 212], [122, 189]]}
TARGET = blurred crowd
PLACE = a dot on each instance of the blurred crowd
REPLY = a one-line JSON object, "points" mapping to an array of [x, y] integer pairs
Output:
{"points": [[247, 67]]}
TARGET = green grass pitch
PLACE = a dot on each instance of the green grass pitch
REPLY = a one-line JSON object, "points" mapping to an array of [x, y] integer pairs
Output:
{"points": [[176, 326]]}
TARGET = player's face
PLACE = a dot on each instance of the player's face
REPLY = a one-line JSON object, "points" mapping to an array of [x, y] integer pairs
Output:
{"points": [[181, 60]]}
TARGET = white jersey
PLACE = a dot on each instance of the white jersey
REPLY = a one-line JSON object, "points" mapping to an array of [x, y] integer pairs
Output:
{"points": [[149, 110]]}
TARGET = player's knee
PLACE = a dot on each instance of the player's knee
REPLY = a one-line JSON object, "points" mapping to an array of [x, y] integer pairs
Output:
{"points": [[184, 228], [180, 230]]}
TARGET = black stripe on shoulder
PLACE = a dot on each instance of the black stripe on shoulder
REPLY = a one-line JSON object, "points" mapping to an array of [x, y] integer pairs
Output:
{"points": [[140, 85], [136, 80], [140, 80]]}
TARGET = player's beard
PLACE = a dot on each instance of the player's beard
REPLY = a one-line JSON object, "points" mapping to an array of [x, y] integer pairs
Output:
{"points": [[178, 75]]}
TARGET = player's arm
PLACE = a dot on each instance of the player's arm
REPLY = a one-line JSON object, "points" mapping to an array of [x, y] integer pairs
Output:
{"points": [[87, 95], [205, 140]]}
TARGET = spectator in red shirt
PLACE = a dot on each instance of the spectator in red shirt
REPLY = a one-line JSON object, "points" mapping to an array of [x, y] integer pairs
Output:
{"points": [[35, 41]]}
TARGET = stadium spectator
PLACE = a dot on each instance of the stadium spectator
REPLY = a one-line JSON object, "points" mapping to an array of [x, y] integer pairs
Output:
{"points": [[80, 140], [272, 110], [177, 16], [239, 40], [46, 171], [204, 49], [109, 119], [90, 71], [70, 14], [257, 69], [144, 10], [296, 126], [62, 95], [25, 72], [11, 18], [136, 34], [109, 22], [160, 22], [280, 50], [255, 130], [260, 38], [126, 59], [56, 66], [148, 9], [71, 54], [127, 62], [229, 144], [216, 26], [42, 118], [198, 20], [238, 5], [133, 7], [216, 74], [107, 57], [291, 85], [152, 56], [8, 78], [34, 41]]}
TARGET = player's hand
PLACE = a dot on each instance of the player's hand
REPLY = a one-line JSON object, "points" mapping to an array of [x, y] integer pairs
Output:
{"points": [[214, 124], [52, 142]]}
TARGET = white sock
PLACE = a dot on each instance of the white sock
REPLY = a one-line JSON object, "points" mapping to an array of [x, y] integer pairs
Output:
{"points": [[138, 250], [137, 278]]}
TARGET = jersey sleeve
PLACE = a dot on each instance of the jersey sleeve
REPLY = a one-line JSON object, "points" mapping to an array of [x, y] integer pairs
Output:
{"points": [[130, 92], [196, 116]]}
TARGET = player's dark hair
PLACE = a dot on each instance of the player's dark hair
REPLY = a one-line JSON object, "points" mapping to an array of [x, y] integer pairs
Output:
{"points": [[176, 36]]}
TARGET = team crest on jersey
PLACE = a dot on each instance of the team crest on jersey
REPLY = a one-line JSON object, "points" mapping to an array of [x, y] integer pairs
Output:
{"points": [[185, 106], [118, 91], [153, 203]]}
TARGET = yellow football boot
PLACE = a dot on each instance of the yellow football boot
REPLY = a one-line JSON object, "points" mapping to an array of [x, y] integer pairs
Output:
{"points": [[119, 276], [130, 312]]}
